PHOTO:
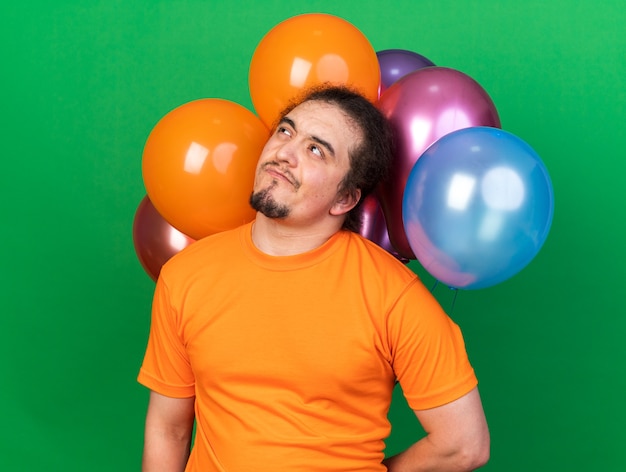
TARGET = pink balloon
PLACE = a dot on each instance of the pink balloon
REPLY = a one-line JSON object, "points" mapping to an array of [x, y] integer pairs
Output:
{"points": [[424, 106], [155, 239], [374, 227]]}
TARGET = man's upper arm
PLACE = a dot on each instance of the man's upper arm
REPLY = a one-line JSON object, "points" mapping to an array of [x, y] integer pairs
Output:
{"points": [[459, 426], [169, 426], [174, 415]]}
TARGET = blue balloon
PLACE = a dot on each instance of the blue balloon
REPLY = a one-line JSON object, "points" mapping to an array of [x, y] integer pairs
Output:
{"points": [[477, 207]]}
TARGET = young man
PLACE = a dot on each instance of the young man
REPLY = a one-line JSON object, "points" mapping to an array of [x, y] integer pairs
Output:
{"points": [[283, 339]]}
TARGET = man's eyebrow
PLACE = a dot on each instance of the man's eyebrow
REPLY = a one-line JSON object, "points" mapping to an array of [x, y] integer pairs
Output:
{"points": [[317, 139], [287, 120]]}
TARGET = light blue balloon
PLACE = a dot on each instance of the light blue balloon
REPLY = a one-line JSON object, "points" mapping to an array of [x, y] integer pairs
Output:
{"points": [[477, 207]]}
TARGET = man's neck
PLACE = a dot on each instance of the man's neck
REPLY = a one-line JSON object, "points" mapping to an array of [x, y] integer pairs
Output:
{"points": [[278, 238]]}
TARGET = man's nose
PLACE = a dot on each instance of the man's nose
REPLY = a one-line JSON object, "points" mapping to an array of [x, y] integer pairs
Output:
{"points": [[288, 152]]}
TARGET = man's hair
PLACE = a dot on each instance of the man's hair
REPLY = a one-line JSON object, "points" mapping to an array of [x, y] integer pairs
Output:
{"points": [[370, 161]]}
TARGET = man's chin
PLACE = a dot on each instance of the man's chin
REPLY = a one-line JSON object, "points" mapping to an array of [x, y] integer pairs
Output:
{"points": [[263, 202]]}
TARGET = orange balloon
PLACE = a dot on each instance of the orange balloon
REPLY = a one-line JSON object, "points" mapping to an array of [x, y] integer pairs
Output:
{"points": [[198, 165], [309, 50]]}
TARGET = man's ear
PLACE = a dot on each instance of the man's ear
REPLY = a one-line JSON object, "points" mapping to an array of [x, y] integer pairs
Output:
{"points": [[345, 202]]}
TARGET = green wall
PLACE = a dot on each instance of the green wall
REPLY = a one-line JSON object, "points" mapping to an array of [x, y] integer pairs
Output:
{"points": [[83, 83]]}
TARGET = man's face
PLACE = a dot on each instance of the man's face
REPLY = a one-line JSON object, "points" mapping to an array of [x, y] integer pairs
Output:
{"points": [[302, 164]]}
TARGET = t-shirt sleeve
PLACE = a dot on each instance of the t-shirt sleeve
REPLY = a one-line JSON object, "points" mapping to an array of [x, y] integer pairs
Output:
{"points": [[166, 368], [427, 350]]}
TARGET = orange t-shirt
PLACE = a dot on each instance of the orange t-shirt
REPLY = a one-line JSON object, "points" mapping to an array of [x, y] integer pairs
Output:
{"points": [[293, 359]]}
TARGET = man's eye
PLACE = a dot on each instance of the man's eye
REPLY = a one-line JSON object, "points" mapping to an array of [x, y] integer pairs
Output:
{"points": [[317, 151], [283, 130]]}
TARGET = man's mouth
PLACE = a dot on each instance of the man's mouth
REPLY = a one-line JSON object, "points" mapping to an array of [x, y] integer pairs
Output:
{"points": [[275, 170]]}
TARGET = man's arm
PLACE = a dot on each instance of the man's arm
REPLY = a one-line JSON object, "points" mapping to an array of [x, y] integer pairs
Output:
{"points": [[457, 439], [167, 440]]}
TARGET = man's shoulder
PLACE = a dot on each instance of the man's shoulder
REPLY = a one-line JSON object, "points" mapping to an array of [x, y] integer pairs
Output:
{"points": [[210, 249], [379, 258]]}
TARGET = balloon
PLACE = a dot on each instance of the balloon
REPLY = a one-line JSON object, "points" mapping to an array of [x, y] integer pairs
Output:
{"points": [[477, 208], [374, 227], [199, 163], [396, 63], [423, 106], [155, 239], [305, 51]]}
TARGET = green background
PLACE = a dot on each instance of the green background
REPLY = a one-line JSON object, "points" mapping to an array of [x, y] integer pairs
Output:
{"points": [[83, 83]]}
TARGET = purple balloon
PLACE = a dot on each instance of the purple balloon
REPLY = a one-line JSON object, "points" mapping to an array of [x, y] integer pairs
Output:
{"points": [[374, 227], [396, 63], [422, 107]]}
